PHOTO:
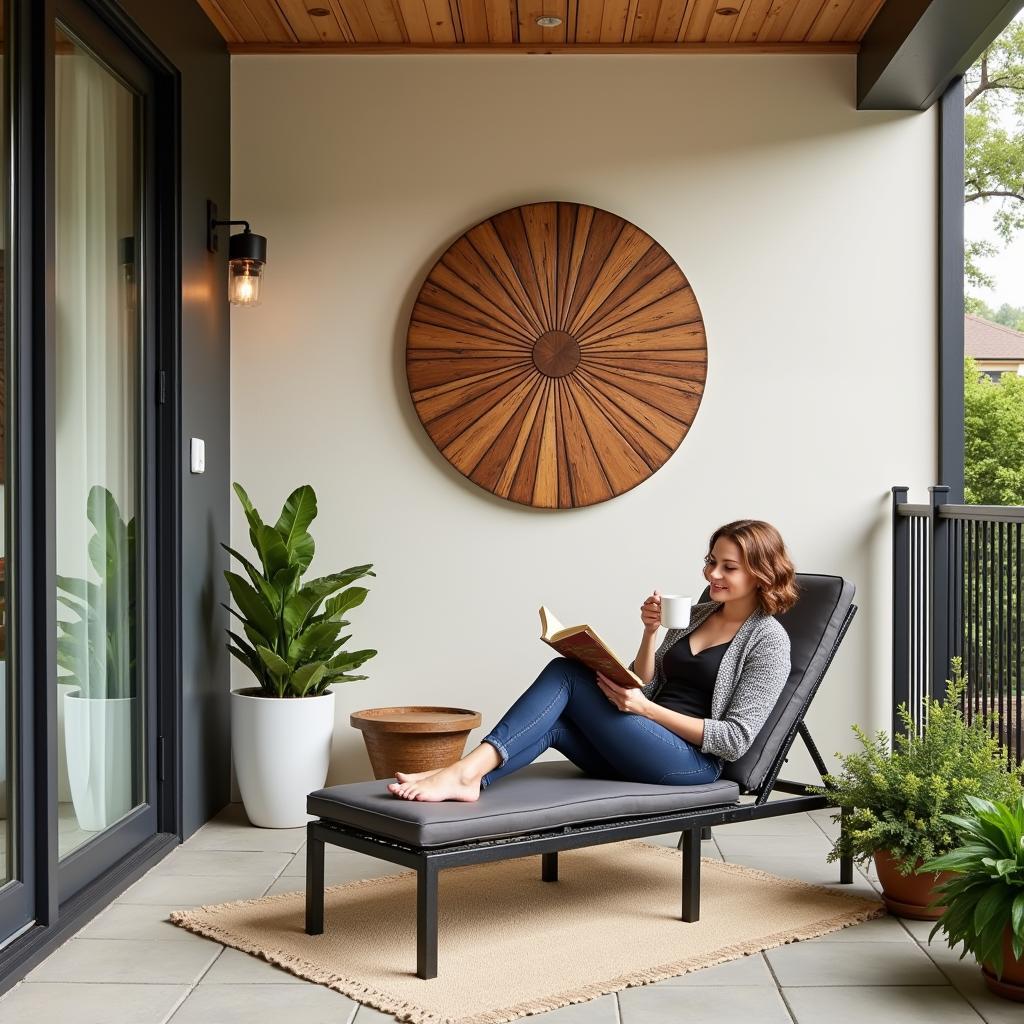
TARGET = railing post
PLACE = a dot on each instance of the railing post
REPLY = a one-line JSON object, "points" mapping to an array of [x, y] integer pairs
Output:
{"points": [[900, 606], [939, 624]]}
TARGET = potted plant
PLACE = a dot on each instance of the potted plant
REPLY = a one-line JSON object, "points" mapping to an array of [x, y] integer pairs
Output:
{"points": [[281, 729], [897, 798], [96, 653], [984, 897]]}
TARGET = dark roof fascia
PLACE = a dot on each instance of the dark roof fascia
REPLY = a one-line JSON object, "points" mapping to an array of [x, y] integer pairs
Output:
{"points": [[914, 49]]}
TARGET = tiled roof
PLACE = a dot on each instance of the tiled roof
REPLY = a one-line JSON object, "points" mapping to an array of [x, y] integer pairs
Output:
{"points": [[986, 340]]}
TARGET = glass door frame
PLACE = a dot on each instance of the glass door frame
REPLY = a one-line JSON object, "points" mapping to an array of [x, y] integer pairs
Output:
{"points": [[89, 862], [55, 897]]}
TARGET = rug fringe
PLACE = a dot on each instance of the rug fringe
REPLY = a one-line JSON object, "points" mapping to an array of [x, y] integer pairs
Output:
{"points": [[192, 920]]}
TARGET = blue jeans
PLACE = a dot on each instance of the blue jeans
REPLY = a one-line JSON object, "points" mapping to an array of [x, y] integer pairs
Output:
{"points": [[564, 708]]}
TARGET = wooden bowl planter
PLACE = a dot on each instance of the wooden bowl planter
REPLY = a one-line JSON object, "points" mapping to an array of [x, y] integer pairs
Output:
{"points": [[909, 895], [1011, 985], [413, 739]]}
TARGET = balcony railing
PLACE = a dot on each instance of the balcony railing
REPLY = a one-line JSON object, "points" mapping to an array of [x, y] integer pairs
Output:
{"points": [[957, 592]]}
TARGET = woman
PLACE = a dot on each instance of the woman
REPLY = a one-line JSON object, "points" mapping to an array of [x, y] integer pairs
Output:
{"points": [[709, 687]]}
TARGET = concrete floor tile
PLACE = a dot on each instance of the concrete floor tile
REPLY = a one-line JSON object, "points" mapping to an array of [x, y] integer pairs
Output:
{"points": [[812, 869], [49, 1003], [234, 967], [342, 866], [965, 975], [232, 831], [138, 921], [602, 1010], [708, 848], [881, 929], [125, 961], [891, 1004], [809, 846], [745, 970], [265, 1004], [195, 890], [782, 825], [657, 1004], [184, 861], [818, 963]]}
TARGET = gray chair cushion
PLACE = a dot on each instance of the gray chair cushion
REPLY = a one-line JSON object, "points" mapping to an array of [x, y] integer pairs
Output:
{"points": [[543, 795], [813, 624]]}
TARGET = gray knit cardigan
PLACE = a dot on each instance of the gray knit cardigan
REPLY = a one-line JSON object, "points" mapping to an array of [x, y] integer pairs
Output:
{"points": [[753, 671]]}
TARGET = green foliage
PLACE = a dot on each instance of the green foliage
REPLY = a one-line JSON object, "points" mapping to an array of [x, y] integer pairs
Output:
{"points": [[994, 142], [993, 438], [987, 895], [97, 649], [292, 642], [898, 799], [1007, 315]]}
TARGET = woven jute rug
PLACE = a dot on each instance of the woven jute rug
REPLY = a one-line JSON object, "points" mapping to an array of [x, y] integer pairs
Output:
{"points": [[510, 944]]}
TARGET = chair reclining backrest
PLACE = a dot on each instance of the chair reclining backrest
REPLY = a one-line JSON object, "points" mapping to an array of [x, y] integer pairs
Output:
{"points": [[815, 625]]}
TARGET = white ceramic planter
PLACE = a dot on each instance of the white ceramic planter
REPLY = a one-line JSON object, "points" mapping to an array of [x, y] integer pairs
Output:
{"points": [[98, 740], [63, 782], [281, 749]]}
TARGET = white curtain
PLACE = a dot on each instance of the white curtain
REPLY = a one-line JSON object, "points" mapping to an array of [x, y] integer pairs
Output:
{"points": [[96, 359]]}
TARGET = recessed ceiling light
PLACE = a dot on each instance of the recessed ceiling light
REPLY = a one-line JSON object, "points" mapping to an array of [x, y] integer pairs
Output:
{"points": [[549, 21]]}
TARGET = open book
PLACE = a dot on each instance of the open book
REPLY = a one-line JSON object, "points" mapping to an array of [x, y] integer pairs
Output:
{"points": [[583, 644]]}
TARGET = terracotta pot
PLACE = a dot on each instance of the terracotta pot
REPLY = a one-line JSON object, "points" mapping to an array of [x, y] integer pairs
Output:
{"points": [[1011, 985], [413, 739], [909, 895]]}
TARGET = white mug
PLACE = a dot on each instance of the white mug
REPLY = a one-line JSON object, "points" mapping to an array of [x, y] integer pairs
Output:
{"points": [[675, 611]]}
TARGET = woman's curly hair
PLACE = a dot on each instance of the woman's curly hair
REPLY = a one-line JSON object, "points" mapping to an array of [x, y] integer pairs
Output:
{"points": [[765, 557]]}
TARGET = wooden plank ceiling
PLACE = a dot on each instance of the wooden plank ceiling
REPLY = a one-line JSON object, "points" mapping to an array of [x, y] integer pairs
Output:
{"points": [[631, 26]]}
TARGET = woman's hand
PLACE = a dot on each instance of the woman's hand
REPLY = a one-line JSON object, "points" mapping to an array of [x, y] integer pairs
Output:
{"points": [[630, 699], [650, 614]]}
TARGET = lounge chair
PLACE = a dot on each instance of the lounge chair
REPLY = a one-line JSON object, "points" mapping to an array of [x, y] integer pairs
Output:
{"points": [[551, 806]]}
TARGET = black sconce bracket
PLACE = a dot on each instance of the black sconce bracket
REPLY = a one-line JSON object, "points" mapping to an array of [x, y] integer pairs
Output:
{"points": [[244, 246]]}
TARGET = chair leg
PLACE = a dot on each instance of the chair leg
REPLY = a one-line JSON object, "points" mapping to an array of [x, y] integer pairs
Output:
{"points": [[691, 874], [426, 921], [705, 834], [549, 867], [845, 863], [314, 883]]}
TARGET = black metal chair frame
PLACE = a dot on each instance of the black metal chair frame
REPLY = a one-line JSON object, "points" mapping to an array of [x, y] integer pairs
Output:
{"points": [[429, 861]]}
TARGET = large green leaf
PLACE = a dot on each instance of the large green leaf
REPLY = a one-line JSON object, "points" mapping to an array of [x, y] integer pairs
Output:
{"points": [[350, 659], [273, 554], [307, 677], [276, 665], [251, 605], [293, 524], [253, 517], [307, 643], [259, 581]]}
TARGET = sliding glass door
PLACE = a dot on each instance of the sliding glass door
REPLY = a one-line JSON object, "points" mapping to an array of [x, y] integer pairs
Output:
{"points": [[104, 758], [88, 463]]}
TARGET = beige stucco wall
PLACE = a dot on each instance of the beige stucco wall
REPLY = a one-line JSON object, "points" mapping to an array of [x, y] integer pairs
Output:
{"points": [[807, 229]]}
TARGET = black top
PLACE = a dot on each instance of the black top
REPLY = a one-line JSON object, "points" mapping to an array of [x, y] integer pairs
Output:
{"points": [[690, 678]]}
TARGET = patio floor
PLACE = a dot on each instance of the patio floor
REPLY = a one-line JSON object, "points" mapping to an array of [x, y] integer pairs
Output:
{"points": [[131, 967]]}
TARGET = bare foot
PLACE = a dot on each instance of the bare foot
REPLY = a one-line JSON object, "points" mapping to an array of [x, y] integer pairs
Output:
{"points": [[451, 783], [416, 776]]}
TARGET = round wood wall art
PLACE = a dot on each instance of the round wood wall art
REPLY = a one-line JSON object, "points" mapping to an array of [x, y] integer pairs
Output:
{"points": [[556, 355]]}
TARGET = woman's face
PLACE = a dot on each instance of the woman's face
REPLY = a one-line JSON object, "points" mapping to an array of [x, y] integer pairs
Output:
{"points": [[724, 570]]}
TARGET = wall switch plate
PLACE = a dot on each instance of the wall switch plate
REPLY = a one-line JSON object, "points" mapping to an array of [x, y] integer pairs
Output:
{"points": [[198, 455]]}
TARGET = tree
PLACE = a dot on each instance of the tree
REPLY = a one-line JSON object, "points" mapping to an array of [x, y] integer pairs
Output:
{"points": [[993, 153], [993, 438], [1007, 315]]}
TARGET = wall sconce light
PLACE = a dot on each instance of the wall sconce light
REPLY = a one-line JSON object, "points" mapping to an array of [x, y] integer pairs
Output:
{"points": [[247, 256]]}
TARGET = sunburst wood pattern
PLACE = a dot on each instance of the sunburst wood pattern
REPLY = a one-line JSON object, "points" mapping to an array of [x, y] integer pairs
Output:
{"points": [[556, 355]]}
